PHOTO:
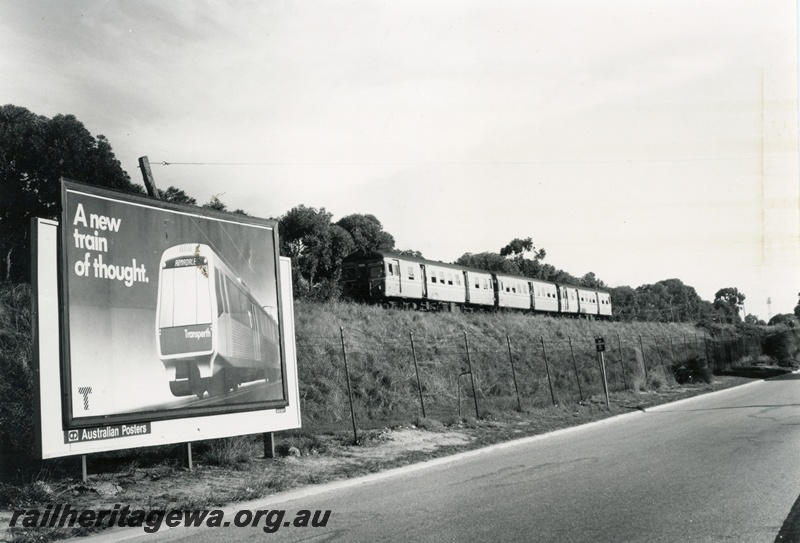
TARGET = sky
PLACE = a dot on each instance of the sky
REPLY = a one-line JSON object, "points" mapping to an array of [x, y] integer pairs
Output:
{"points": [[640, 140]]}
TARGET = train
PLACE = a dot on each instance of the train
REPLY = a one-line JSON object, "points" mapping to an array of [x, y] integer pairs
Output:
{"points": [[395, 280], [213, 335]]}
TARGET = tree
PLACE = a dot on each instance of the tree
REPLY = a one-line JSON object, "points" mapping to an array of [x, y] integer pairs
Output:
{"points": [[752, 319], [411, 252], [489, 262], [665, 301], [592, 281], [727, 302], [367, 232], [176, 195], [218, 205], [782, 318], [316, 248], [35, 152], [518, 247]]}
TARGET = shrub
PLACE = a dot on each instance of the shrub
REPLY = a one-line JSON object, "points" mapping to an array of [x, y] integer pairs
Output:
{"points": [[231, 451], [784, 346], [16, 379], [691, 371]]}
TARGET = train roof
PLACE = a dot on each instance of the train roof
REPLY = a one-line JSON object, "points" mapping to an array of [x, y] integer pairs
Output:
{"points": [[360, 256]]}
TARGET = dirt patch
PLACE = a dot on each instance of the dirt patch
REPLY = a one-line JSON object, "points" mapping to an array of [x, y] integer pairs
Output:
{"points": [[400, 442]]}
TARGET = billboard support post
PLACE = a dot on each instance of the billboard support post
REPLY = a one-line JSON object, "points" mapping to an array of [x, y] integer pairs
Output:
{"points": [[269, 445], [189, 465], [84, 470]]}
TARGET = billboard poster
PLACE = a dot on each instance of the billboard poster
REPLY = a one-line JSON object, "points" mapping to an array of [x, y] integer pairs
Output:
{"points": [[169, 311]]}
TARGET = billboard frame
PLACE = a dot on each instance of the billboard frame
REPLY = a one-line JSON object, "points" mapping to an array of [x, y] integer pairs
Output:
{"points": [[50, 371]]}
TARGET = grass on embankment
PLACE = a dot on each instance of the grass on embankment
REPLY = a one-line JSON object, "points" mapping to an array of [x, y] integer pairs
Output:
{"points": [[383, 377]]}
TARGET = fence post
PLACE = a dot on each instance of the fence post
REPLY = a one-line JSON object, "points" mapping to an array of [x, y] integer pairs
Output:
{"points": [[575, 364], [672, 350], [349, 392], [513, 372], [471, 375], [622, 362], [416, 369], [547, 369], [644, 360], [660, 356]]}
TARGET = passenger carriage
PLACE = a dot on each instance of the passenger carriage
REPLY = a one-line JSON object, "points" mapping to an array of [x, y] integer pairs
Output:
{"points": [[395, 280]]}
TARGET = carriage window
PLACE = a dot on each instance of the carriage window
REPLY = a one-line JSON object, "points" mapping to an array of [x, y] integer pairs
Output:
{"points": [[441, 277], [220, 296], [185, 297], [458, 280], [449, 278], [433, 278], [375, 271], [239, 304], [477, 283], [411, 273], [391, 269]]}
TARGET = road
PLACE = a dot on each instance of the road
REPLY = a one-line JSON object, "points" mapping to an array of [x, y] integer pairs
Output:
{"points": [[720, 467]]}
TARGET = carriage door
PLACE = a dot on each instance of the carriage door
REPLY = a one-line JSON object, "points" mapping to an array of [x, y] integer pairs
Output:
{"points": [[399, 274], [392, 277], [564, 299]]}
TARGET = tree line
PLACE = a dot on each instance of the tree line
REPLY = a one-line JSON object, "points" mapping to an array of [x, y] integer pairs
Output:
{"points": [[36, 151]]}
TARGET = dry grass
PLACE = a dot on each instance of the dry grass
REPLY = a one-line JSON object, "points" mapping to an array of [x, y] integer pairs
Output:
{"points": [[383, 378]]}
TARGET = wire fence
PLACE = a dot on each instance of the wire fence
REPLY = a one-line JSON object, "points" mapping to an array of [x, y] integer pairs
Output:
{"points": [[358, 380]]}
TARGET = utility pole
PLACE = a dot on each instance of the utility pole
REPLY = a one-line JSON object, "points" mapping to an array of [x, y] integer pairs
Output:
{"points": [[147, 175]]}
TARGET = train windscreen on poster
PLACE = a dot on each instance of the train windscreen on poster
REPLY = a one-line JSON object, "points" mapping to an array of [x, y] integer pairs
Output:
{"points": [[170, 311]]}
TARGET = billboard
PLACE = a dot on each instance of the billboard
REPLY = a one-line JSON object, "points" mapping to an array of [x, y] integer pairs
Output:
{"points": [[167, 313]]}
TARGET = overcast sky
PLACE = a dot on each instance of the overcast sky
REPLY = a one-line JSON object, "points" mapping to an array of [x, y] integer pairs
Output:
{"points": [[641, 140]]}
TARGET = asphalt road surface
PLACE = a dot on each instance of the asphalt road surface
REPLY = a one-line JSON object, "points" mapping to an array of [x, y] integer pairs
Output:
{"points": [[724, 467]]}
